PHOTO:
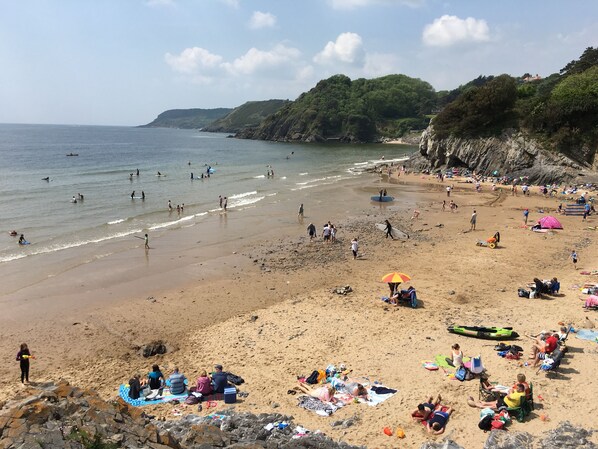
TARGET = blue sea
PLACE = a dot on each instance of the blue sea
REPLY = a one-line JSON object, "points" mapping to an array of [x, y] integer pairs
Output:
{"points": [[106, 158]]}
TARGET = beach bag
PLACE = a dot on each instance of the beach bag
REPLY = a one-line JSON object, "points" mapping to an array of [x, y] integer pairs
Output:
{"points": [[234, 379], [497, 424], [485, 423], [192, 400], [321, 375], [461, 373], [502, 347], [313, 378], [476, 365]]}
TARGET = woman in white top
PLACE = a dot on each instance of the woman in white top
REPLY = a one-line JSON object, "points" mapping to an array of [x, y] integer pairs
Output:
{"points": [[456, 358]]}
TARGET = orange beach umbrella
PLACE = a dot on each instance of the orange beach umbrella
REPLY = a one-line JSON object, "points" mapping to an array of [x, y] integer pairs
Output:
{"points": [[396, 277]]}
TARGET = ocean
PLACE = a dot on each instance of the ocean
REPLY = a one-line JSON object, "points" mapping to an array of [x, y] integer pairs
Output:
{"points": [[107, 156]]}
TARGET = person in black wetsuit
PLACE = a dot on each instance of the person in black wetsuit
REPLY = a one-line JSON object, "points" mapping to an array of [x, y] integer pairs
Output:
{"points": [[23, 358], [389, 230]]}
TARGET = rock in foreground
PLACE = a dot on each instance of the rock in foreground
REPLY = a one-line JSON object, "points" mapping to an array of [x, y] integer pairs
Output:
{"points": [[61, 416]]}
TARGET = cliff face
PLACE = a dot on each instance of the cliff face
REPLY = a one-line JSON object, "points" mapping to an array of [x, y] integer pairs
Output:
{"points": [[512, 154]]}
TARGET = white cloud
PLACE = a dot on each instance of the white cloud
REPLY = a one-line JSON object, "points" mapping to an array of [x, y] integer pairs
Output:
{"points": [[449, 30], [353, 4], [348, 49], [158, 3], [232, 3], [259, 60], [192, 60], [262, 20]]}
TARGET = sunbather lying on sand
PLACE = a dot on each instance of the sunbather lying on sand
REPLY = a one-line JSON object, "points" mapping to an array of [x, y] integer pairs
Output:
{"points": [[325, 393], [423, 410]]}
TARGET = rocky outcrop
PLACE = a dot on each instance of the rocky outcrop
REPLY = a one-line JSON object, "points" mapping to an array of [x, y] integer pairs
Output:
{"points": [[62, 416], [513, 154], [564, 436]]}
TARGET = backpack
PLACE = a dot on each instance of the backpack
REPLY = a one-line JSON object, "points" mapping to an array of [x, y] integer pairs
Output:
{"points": [[485, 423], [461, 373], [514, 349], [502, 347], [234, 379], [192, 400], [313, 378]]}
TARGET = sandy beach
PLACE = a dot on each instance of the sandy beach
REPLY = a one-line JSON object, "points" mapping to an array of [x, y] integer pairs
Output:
{"points": [[263, 307]]}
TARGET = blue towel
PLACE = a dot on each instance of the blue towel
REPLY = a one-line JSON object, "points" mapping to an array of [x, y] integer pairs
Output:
{"points": [[123, 392], [587, 334]]}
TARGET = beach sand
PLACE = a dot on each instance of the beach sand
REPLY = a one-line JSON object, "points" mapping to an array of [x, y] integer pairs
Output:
{"points": [[264, 309]]}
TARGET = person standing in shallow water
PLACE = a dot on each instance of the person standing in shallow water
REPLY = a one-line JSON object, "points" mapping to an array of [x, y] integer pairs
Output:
{"points": [[300, 214], [23, 357], [146, 241]]}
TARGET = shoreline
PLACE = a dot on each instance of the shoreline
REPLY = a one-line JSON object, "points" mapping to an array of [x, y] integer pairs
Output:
{"points": [[301, 326]]}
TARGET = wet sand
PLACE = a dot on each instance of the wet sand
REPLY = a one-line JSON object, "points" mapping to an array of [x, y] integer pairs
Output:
{"points": [[262, 306]]}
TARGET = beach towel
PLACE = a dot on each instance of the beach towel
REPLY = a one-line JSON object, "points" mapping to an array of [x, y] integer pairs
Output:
{"points": [[123, 392], [316, 405], [587, 334], [448, 369], [378, 395]]}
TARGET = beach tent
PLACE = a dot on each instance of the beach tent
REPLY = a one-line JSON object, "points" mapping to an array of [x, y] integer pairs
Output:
{"points": [[549, 222]]}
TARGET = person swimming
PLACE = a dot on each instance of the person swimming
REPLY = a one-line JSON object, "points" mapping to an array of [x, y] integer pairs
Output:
{"points": [[47, 178], [13, 233]]}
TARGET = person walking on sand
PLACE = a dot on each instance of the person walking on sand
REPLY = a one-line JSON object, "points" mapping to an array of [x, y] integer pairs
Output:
{"points": [[311, 230], [443, 205], [388, 229], [473, 220], [23, 357], [354, 247], [573, 257], [146, 241], [525, 215], [448, 191], [300, 214]]}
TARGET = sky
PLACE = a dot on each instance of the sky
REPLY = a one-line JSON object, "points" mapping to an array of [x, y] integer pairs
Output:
{"points": [[122, 62]]}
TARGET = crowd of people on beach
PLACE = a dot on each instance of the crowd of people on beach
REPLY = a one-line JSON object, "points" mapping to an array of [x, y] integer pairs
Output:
{"points": [[153, 384]]}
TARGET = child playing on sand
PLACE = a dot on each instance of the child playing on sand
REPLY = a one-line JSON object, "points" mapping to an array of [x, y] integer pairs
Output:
{"points": [[354, 247], [23, 357], [573, 257]]}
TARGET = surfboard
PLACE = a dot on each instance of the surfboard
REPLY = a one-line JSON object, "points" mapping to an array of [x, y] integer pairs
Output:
{"points": [[384, 199], [24, 243], [396, 233]]}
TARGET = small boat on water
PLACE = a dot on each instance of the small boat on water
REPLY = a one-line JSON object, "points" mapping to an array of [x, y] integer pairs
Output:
{"points": [[73, 154], [382, 199], [490, 333]]}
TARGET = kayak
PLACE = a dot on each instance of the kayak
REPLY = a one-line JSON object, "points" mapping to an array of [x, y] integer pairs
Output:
{"points": [[490, 333]]}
